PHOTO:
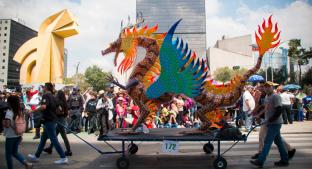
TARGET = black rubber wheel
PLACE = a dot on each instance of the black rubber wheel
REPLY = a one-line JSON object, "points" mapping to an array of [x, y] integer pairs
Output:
{"points": [[122, 163], [208, 148], [220, 163], [239, 123], [133, 148]]}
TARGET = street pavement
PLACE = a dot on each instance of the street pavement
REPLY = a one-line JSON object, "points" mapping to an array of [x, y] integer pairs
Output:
{"points": [[190, 156]]}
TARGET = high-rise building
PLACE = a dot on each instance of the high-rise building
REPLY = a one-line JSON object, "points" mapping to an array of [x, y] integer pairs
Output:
{"points": [[12, 35], [192, 28]]}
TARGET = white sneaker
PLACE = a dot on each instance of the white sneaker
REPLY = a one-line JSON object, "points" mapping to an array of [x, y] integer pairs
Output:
{"points": [[61, 161], [33, 158]]}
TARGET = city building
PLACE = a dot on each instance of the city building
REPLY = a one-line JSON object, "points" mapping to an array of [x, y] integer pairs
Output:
{"points": [[12, 35], [192, 28], [231, 52]]}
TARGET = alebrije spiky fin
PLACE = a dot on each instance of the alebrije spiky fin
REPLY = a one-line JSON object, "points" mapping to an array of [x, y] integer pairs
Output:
{"points": [[267, 38]]}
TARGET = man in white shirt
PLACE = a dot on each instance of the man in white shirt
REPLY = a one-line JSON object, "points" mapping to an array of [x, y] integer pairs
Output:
{"points": [[287, 100], [248, 106], [105, 109]]}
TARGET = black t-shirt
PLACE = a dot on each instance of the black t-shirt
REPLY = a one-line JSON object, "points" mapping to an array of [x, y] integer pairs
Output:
{"points": [[49, 113]]}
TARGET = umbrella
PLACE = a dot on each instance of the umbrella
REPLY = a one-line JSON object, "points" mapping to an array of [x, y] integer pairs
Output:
{"points": [[255, 78], [291, 87]]}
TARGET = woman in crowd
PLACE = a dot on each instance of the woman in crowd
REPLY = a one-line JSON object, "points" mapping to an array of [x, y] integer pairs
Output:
{"points": [[13, 140]]}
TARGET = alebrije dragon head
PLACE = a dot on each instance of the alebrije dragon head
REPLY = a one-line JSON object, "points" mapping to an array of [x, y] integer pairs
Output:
{"points": [[127, 44]]}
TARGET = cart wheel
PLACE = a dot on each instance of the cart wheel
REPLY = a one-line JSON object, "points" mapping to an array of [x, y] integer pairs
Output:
{"points": [[133, 148], [239, 123], [122, 163], [220, 163], [208, 148]]}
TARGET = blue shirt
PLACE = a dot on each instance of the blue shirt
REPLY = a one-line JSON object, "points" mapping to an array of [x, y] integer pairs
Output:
{"points": [[307, 100]]}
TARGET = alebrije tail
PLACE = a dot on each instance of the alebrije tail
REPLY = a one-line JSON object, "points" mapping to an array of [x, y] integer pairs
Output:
{"points": [[266, 39]]}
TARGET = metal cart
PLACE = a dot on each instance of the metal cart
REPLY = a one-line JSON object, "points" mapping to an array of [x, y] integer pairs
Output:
{"points": [[172, 134]]}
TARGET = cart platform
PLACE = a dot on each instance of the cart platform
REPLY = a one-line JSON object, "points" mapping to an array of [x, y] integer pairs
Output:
{"points": [[172, 134]]}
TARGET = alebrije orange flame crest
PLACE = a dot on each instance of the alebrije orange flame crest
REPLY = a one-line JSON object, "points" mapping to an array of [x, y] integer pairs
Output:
{"points": [[129, 44], [266, 37]]}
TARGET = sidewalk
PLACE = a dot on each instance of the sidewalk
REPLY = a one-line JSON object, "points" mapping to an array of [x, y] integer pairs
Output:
{"points": [[297, 127]]}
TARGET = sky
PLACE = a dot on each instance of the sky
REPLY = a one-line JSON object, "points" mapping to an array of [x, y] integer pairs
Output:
{"points": [[99, 22]]}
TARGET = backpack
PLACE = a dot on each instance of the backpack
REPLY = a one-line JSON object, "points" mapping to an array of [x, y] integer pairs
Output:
{"points": [[20, 125]]}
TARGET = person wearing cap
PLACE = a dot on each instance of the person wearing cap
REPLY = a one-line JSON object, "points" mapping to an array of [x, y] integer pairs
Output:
{"points": [[273, 120]]}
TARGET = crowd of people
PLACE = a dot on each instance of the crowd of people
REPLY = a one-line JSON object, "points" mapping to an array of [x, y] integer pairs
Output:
{"points": [[65, 111]]}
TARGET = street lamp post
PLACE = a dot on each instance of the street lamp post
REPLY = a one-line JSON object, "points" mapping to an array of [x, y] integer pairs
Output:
{"points": [[77, 67]]}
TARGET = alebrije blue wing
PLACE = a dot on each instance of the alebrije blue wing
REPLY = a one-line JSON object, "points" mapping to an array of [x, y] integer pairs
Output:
{"points": [[173, 79]]}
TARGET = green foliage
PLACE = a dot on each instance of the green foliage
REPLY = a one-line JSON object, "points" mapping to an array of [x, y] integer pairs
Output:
{"points": [[77, 80], [307, 77], [223, 74], [240, 72], [279, 75], [95, 76], [298, 55]]}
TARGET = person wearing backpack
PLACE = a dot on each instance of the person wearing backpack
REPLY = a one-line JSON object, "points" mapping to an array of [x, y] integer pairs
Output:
{"points": [[48, 109], [61, 113], [14, 127]]}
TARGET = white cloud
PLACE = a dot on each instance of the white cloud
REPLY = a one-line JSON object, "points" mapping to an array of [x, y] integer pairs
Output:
{"points": [[212, 7], [99, 24], [293, 21]]}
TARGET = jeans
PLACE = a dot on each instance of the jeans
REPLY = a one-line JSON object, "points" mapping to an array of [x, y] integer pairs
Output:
{"points": [[287, 117], [300, 114], [49, 131], [273, 134], [11, 149], [75, 116], [61, 130], [92, 118], [248, 120], [104, 123]]}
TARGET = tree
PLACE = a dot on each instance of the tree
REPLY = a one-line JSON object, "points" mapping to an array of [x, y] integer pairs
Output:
{"points": [[280, 75], [298, 55], [223, 74], [239, 72], [79, 79], [95, 76], [307, 77]]}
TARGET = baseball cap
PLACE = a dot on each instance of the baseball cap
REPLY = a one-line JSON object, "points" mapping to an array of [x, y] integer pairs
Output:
{"points": [[101, 92], [269, 83]]}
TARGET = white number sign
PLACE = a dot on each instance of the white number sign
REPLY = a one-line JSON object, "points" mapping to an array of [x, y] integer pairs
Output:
{"points": [[170, 146]]}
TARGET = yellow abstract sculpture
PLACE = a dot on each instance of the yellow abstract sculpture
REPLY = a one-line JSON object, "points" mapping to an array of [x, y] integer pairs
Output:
{"points": [[42, 57]]}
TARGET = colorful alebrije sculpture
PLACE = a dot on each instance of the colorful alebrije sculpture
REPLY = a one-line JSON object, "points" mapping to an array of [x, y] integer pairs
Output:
{"points": [[170, 68]]}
